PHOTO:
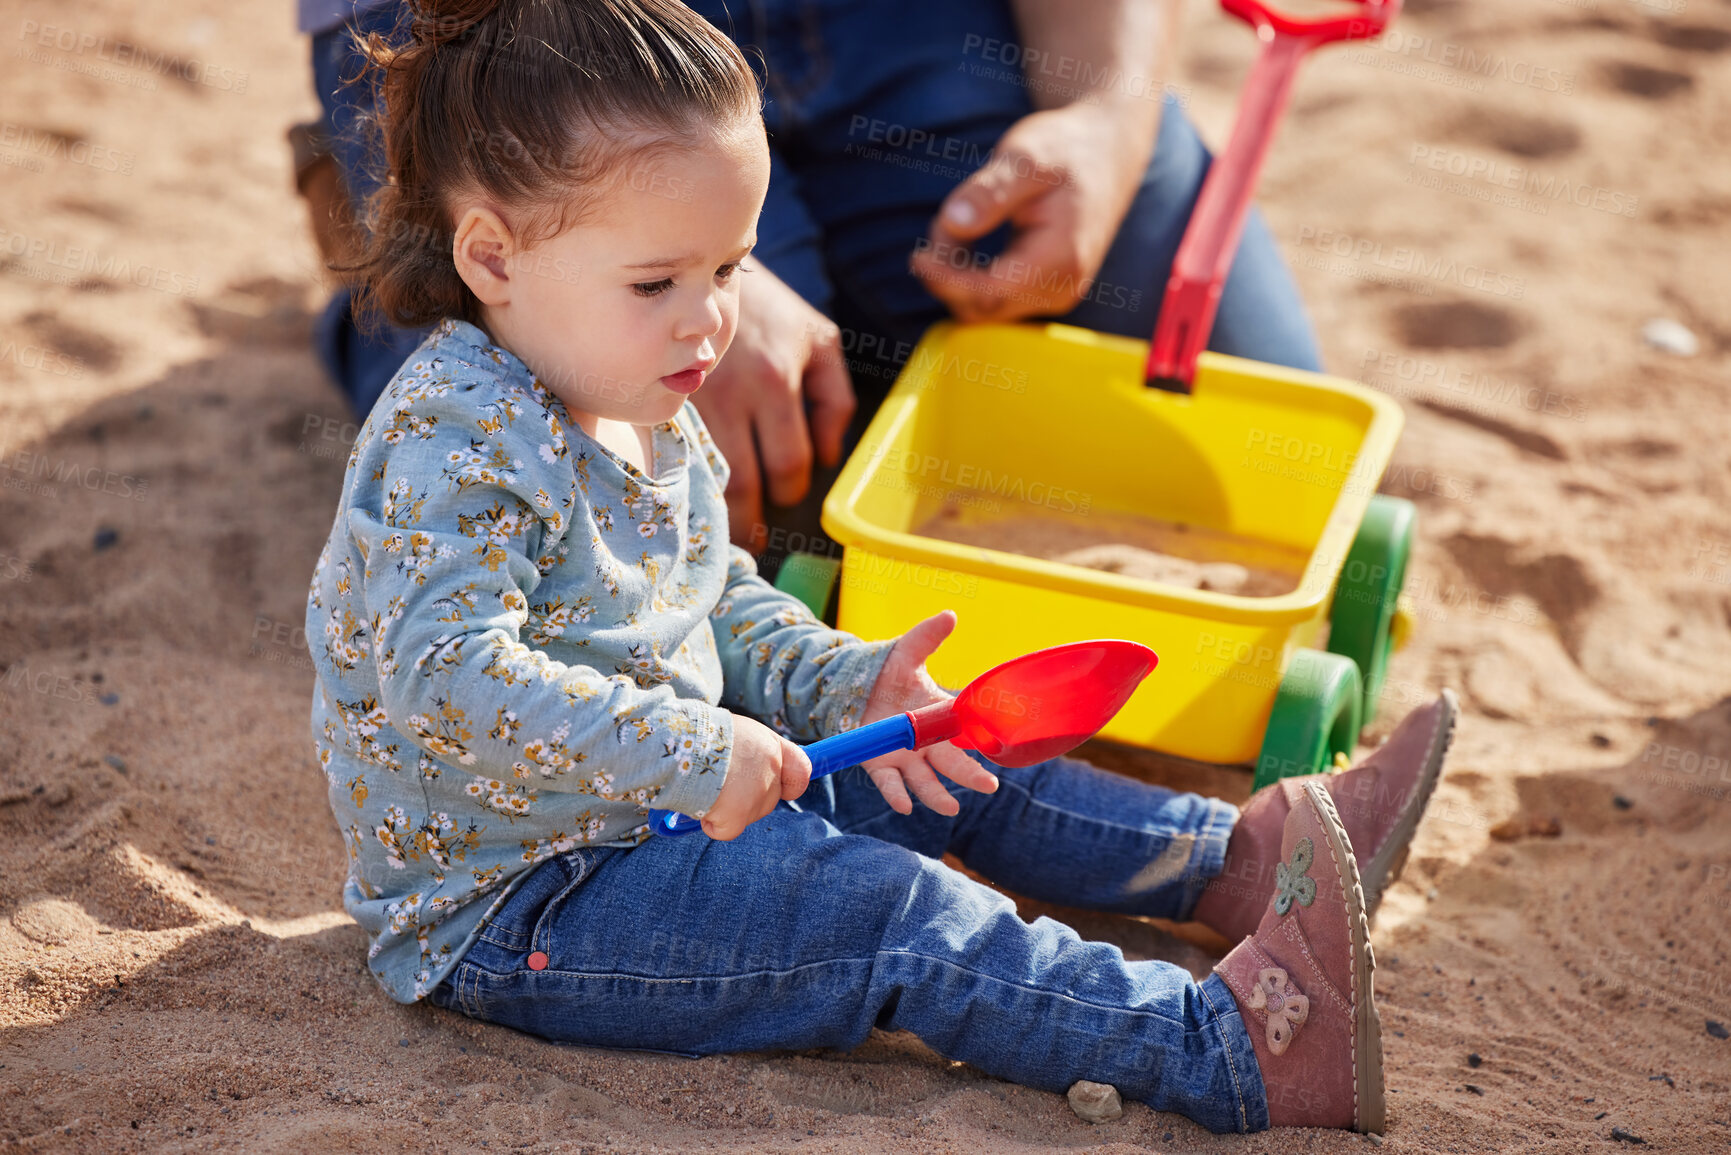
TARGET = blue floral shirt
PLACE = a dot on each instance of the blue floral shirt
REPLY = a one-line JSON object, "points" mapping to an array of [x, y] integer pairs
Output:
{"points": [[523, 642]]}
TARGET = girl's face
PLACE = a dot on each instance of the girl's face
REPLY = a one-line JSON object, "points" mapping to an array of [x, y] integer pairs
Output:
{"points": [[623, 315]]}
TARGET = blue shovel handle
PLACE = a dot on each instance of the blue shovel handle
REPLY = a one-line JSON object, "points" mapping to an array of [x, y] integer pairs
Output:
{"points": [[828, 756]]}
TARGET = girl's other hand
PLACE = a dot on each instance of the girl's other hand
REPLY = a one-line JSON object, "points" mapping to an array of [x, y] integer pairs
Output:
{"points": [[765, 769], [904, 685]]}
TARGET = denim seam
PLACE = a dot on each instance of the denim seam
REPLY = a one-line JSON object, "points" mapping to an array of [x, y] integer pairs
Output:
{"points": [[1231, 1065], [868, 960]]}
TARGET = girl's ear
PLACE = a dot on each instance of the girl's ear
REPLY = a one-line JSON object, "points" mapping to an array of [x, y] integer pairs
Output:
{"points": [[482, 250]]}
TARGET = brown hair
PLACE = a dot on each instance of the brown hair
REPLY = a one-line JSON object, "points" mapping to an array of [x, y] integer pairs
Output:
{"points": [[531, 103]]}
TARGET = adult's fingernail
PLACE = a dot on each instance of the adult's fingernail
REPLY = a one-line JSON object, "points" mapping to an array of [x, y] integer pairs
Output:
{"points": [[960, 212]]}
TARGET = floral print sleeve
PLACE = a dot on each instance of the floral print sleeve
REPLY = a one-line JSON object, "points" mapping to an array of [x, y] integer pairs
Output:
{"points": [[784, 665]]}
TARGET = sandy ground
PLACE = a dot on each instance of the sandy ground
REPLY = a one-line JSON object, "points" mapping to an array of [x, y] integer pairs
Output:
{"points": [[175, 972]]}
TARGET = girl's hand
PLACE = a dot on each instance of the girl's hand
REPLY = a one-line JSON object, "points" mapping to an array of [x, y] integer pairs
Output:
{"points": [[903, 685], [764, 769]]}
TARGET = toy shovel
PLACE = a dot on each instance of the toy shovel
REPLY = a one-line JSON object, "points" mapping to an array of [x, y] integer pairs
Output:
{"points": [[1031, 708]]}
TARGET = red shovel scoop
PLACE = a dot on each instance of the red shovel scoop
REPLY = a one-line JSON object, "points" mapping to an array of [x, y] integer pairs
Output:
{"points": [[1039, 705]]}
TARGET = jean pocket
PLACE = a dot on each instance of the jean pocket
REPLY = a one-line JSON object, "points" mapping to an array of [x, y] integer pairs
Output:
{"points": [[541, 938]]}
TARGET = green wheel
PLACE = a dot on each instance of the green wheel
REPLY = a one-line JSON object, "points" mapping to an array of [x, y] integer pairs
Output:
{"points": [[1316, 717], [1361, 620], [809, 578]]}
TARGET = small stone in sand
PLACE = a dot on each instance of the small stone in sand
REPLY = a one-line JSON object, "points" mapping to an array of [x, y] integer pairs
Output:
{"points": [[1373, 1139], [1473, 1060], [1621, 803], [1601, 741], [1095, 1102], [1670, 336], [1623, 1136], [105, 537], [1717, 1030], [1474, 1089]]}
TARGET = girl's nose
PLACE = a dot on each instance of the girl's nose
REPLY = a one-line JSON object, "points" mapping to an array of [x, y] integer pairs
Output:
{"points": [[703, 319]]}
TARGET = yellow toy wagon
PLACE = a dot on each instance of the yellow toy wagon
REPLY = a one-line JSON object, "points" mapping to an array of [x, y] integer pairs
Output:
{"points": [[1269, 468]]}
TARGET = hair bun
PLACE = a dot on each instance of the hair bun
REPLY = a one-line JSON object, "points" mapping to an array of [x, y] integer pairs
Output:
{"points": [[439, 22]]}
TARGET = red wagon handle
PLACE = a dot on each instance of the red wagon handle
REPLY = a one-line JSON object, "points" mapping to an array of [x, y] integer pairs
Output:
{"points": [[1205, 254]]}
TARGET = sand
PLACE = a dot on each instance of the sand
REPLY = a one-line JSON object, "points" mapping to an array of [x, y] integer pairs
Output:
{"points": [[175, 971], [1142, 548]]}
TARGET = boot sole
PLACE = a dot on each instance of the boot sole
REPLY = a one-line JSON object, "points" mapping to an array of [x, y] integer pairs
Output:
{"points": [[1381, 872], [1370, 1106]]}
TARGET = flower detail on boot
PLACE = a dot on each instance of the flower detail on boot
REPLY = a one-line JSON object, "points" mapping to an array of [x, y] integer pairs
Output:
{"points": [[1285, 1006], [1292, 883]]}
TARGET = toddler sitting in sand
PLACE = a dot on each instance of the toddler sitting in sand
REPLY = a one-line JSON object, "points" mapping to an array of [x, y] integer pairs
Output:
{"points": [[529, 627]]}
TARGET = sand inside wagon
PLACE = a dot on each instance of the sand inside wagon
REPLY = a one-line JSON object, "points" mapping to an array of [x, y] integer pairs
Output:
{"points": [[1132, 545]]}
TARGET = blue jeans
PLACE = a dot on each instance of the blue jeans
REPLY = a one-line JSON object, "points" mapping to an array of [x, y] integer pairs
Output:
{"points": [[834, 915], [846, 208]]}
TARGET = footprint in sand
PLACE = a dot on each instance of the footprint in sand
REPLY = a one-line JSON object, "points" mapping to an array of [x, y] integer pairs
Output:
{"points": [[1513, 132], [1648, 83], [1693, 37], [1456, 325]]}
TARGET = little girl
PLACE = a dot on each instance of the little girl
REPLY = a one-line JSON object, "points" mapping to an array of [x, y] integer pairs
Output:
{"points": [[529, 627]]}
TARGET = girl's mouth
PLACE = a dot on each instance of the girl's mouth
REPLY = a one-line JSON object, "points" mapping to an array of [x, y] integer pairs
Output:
{"points": [[686, 381]]}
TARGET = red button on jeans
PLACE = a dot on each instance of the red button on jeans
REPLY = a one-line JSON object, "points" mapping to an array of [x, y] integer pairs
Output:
{"points": [[538, 961]]}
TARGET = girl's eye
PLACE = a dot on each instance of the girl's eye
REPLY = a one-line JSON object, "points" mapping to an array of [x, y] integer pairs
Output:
{"points": [[653, 288], [725, 272]]}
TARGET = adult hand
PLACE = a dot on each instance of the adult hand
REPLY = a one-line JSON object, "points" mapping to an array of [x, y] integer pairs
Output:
{"points": [[1063, 178], [903, 684], [784, 353]]}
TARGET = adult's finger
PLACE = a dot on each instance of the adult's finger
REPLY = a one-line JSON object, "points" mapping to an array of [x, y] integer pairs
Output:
{"points": [[987, 198], [1039, 273], [829, 389], [783, 439]]}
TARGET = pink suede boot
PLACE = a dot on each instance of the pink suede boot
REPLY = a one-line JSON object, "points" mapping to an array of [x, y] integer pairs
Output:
{"points": [[1303, 982], [1380, 802]]}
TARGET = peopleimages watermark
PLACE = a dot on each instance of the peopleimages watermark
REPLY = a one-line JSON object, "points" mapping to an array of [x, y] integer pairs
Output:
{"points": [[918, 149], [39, 474], [1059, 73], [1687, 768], [1404, 375], [49, 684], [41, 358], [966, 478], [1399, 259], [1497, 181], [1007, 270], [1456, 65], [1333, 466], [48, 260], [280, 642], [1712, 561], [88, 52], [42, 143]]}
